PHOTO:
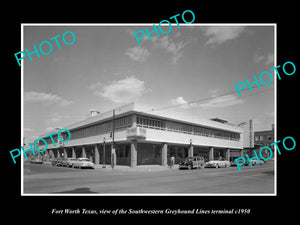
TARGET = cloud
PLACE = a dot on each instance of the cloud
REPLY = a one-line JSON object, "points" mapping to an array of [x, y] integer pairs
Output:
{"points": [[27, 129], [269, 59], [97, 88], [129, 31], [220, 34], [145, 39], [178, 34], [122, 91], [269, 114], [137, 53], [265, 59], [259, 58], [58, 59], [44, 98], [56, 117], [180, 101], [174, 48]]}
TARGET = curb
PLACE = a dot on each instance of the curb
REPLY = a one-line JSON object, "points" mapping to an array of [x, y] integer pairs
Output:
{"points": [[135, 169]]}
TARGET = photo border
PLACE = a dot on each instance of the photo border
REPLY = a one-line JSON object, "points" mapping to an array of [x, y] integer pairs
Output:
{"points": [[149, 194]]}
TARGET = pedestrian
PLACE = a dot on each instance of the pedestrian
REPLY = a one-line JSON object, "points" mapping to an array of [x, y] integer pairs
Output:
{"points": [[172, 161]]}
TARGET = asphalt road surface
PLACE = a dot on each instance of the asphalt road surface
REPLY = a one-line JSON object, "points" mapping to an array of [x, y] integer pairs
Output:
{"points": [[47, 179]]}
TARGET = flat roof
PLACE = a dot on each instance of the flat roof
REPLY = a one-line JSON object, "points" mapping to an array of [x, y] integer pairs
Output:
{"points": [[264, 132], [187, 118], [133, 108]]}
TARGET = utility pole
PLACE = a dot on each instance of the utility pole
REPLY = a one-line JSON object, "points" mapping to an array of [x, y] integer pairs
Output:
{"points": [[113, 130], [113, 151], [104, 166]]}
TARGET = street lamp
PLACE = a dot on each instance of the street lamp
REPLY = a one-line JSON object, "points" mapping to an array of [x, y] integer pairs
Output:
{"points": [[113, 151], [104, 166], [190, 150]]}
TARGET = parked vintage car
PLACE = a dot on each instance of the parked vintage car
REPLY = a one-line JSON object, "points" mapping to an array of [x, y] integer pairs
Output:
{"points": [[240, 161], [217, 163], [83, 163], [53, 162], [68, 162], [192, 162], [246, 162], [255, 161], [57, 162], [36, 160]]}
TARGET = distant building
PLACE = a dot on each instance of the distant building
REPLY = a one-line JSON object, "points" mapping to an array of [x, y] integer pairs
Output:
{"points": [[264, 138], [248, 137]]}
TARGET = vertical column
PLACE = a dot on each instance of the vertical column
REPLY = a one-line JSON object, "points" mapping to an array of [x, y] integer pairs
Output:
{"points": [[242, 153], [73, 152], [65, 153], [58, 153], [227, 154], [211, 154], [164, 152], [133, 153], [83, 153], [51, 153], [96, 155], [103, 155], [191, 151], [113, 155], [133, 120]]}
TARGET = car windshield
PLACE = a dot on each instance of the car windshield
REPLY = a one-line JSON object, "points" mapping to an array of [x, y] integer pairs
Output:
{"points": [[188, 159], [84, 160]]}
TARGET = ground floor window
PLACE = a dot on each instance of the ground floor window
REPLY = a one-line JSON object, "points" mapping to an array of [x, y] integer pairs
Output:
{"points": [[179, 153], [148, 154], [123, 154]]}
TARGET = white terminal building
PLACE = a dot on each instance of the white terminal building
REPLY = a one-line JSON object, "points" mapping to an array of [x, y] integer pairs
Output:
{"points": [[135, 136]]}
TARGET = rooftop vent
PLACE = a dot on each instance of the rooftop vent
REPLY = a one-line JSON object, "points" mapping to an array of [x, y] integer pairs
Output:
{"points": [[94, 113], [219, 120]]}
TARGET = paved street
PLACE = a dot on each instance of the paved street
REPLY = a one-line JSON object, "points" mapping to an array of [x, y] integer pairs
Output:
{"points": [[47, 179]]}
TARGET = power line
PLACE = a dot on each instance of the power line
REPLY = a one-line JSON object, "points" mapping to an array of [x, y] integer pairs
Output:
{"points": [[205, 99], [249, 95]]}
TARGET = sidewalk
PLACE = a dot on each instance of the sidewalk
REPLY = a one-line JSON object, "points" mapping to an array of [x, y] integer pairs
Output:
{"points": [[141, 168]]}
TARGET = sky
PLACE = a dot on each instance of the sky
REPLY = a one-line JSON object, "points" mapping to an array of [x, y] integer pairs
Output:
{"points": [[106, 68]]}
